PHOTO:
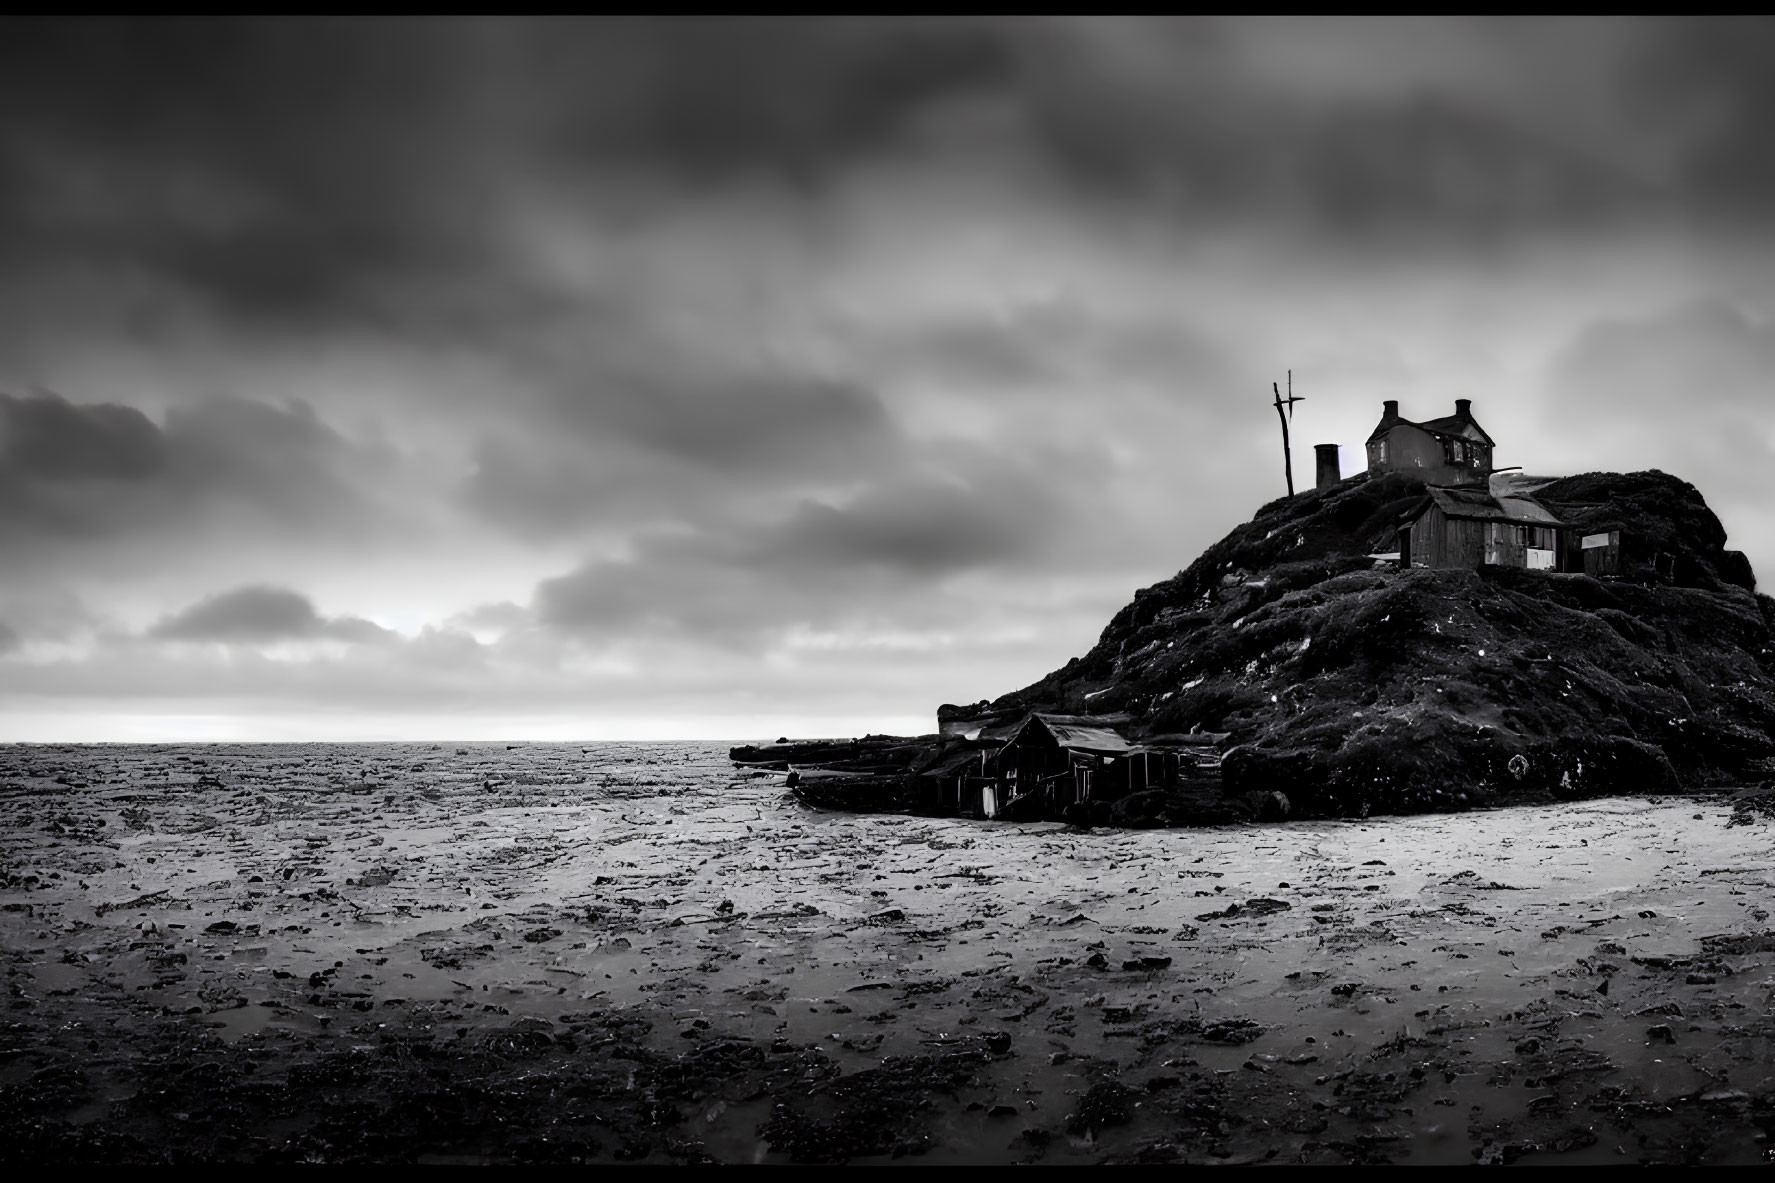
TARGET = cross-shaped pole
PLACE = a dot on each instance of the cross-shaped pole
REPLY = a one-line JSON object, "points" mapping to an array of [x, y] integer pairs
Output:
{"points": [[1287, 456]]}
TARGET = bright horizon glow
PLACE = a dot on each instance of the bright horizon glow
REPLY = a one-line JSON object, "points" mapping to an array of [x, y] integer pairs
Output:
{"points": [[65, 728]]}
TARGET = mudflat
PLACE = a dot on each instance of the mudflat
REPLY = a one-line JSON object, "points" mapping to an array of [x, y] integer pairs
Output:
{"points": [[557, 953]]}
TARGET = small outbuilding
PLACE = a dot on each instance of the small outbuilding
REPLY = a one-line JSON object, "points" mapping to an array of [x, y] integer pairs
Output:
{"points": [[1601, 553], [1038, 764], [1049, 761], [1464, 527]]}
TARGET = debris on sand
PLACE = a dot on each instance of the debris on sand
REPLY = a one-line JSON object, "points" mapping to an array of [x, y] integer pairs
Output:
{"points": [[556, 974]]}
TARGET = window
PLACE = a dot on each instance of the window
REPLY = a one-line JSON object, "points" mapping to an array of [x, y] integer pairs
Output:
{"points": [[1539, 537]]}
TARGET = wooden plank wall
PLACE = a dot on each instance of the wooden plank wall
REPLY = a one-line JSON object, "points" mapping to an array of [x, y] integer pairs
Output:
{"points": [[1437, 540], [1427, 538], [1602, 560], [1503, 544], [1466, 543], [1440, 541]]}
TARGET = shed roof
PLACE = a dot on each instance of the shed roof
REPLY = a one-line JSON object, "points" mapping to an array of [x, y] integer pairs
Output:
{"points": [[1477, 504], [1079, 733], [1193, 739], [955, 762]]}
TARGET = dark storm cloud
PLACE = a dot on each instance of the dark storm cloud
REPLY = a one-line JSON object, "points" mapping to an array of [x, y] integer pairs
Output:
{"points": [[277, 165], [715, 99], [1715, 78], [730, 421], [299, 169], [639, 445], [918, 528], [295, 170], [46, 438], [1045, 345], [9, 638], [822, 562], [539, 487], [1216, 143], [248, 614], [70, 471], [258, 614], [1172, 113], [1437, 163]]}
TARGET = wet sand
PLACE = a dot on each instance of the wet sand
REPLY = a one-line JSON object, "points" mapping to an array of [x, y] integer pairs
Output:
{"points": [[636, 953]]}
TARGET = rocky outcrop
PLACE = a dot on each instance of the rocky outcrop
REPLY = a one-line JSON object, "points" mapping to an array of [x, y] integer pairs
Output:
{"points": [[1350, 686]]}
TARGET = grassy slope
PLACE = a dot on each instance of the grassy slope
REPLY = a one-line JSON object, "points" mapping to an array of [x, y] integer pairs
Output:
{"points": [[1355, 689]]}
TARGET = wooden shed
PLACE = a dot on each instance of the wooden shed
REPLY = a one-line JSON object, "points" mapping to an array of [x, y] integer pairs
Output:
{"points": [[1464, 527], [1601, 553], [1037, 764], [1050, 761]]}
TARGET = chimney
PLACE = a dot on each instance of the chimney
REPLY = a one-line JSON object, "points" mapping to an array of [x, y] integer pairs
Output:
{"points": [[1390, 408], [1325, 458], [1464, 407]]}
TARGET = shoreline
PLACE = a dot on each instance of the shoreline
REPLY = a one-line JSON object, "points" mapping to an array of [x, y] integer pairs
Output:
{"points": [[778, 979]]}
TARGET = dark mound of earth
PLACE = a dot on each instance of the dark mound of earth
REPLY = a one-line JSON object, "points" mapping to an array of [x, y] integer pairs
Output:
{"points": [[1353, 686]]}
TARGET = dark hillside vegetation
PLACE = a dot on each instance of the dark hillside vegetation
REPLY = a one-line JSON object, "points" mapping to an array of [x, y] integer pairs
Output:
{"points": [[1352, 686]]}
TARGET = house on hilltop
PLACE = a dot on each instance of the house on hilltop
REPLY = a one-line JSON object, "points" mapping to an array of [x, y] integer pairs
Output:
{"points": [[1471, 513], [1452, 450]]}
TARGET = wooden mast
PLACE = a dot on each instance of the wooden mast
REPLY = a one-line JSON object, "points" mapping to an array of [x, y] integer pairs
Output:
{"points": [[1287, 455]]}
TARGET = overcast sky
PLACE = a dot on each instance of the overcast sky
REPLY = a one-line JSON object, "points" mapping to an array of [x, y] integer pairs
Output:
{"points": [[598, 379]]}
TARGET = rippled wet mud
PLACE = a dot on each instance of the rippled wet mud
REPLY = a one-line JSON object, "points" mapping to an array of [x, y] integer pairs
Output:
{"points": [[636, 953]]}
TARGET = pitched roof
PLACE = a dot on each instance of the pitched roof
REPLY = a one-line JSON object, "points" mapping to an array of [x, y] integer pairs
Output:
{"points": [[1080, 733], [1454, 425], [955, 762], [1476, 504], [1387, 423]]}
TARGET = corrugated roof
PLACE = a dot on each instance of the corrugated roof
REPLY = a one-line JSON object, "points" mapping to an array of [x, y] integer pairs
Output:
{"points": [[1475, 504], [1081, 733], [1528, 511], [1090, 739], [1517, 484]]}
